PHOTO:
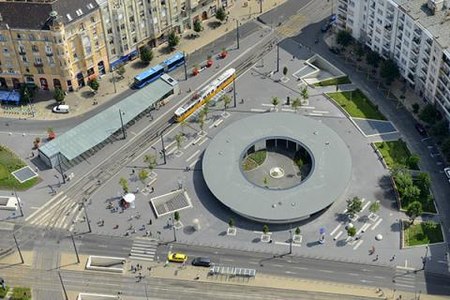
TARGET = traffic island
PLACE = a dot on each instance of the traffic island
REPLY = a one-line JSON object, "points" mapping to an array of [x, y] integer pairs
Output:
{"points": [[106, 264]]}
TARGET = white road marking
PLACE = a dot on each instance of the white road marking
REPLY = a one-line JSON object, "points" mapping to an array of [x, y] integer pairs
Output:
{"points": [[278, 265], [358, 244], [287, 244], [257, 110], [363, 228], [289, 272], [338, 235], [300, 268], [335, 229], [187, 146], [321, 111], [365, 206], [267, 105], [325, 271], [45, 205], [307, 107], [376, 224], [353, 274], [312, 114], [193, 155], [288, 109], [404, 285], [201, 143], [193, 163]]}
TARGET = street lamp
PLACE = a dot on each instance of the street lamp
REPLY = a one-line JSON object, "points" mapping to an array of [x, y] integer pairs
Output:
{"points": [[237, 33], [278, 56], [19, 203], [121, 123]]}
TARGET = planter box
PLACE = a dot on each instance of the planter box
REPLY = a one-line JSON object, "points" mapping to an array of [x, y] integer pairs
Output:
{"points": [[266, 238], [297, 238], [231, 231]]}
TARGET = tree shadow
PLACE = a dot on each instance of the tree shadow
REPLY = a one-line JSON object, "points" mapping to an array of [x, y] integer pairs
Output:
{"points": [[223, 233], [312, 244], [188, 230], [395, 227], [214, 24], [341, 243], [256, 240]]}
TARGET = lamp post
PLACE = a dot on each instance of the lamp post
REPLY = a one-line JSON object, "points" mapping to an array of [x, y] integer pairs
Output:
{"points": [[87, 217], [234, 92], [114, 81], [260, 6], [237, 33], [290, 239], [278, 57], [121, 123], [60, 168], [75, 247], [162, 144], [18, 248], [185, 66], [19, 203], [63, 287]]}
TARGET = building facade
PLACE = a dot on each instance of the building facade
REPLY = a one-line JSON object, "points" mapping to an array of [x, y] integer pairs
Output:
{"points": [[414, 33], [59, 44]]}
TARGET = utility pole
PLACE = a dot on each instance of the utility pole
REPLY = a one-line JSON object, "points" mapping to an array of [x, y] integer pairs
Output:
{"points": [[163, 149], [87, 218], [18, 248], [75, 247], [185, 66], [278, 56], [234, 92], [62, 284], [237, 33], [121, 123], [19, 203], [60, 168], [290, 240], [114, 82], [260, 6]]}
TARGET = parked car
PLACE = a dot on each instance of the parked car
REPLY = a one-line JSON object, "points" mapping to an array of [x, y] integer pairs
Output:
{"points": [[447, 172], [61, 108], [202, 262], [335, 50], [325, 27], [421, 129], [177, 257]]}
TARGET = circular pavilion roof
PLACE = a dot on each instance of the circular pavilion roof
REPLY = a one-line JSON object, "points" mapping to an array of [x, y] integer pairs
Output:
{"points": [[328, 179]]}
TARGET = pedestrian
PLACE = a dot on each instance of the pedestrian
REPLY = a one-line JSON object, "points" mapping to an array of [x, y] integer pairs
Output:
{"points": [[32, 154], [376, 258], [393, 257], [132, 171], [153, 189], [137, 190], [150, 222]]}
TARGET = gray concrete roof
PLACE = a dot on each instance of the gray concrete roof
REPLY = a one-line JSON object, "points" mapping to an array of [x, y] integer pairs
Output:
{"points": [[327, 181]]}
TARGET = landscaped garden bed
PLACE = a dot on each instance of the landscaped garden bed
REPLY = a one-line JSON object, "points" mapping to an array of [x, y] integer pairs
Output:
{"points": [[411, 189], [9, 162], [397, 154], [334, 81], [357, 105], [253, 160], [423, 233]]}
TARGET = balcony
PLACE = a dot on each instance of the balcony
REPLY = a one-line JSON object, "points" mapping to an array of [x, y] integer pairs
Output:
{"points": [[38, 64], [415, 50], [424, 70], [342, 8], [416, 41], [49, 54], [415, 60], [388, 27], [426, 61], [22, 52], [429, 41]]}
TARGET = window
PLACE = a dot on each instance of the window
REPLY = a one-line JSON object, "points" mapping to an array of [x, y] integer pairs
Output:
{"points": [[5, 51], [24, 59], [35, 48], [38, 60], [92, 19], [32, 38], [40, 70]]}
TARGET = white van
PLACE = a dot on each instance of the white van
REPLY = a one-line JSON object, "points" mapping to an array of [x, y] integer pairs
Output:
{"points": [[62, 108]]}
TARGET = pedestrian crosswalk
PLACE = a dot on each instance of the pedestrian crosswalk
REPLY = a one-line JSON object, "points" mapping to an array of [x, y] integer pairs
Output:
{"points": [[143, 249], [405, 279]]}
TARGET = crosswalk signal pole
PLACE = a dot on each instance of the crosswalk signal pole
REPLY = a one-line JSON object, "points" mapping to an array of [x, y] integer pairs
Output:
{"points": [[87, 217], [237, 33], [278, 57], [185, 66], [234, 92]]}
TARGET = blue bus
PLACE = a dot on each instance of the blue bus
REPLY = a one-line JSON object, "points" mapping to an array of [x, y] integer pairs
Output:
{"points": [[173, 62], [148, 76]]}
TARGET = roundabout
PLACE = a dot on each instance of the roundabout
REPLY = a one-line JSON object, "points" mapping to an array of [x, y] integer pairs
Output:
{"points": [[299, 167]]}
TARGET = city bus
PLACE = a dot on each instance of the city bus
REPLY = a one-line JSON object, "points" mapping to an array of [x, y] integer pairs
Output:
{"points": [[173, 62], [204, 95], [148, 76]]}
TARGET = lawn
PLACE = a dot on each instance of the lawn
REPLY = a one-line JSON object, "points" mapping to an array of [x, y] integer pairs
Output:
{"points": [[422, 234], [254, 160], [9, 162], [357, 105], [396, 153], [334, 81], [3, 292], [20, 293]]}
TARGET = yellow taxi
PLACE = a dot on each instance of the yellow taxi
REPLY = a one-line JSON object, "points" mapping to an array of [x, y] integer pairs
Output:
{"points": [[177, 257]]}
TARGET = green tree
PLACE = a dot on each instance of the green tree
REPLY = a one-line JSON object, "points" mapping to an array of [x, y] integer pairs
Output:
{"points": [[423, 182], [59, 95], [446, 147], [173, 39], [374, 207], [411, 193], [179, 140], [351, 231], [143, 175], [373, 58], [150, 160], [226, 101], [123, 182], [176, 216], [354, 206], [265, 229], [414, 210], [275, 102], [198, 26], [304, 93], [296, 104], [94, 84], [221, 14], [416, 108], [121, 70], [428, 114], [146, 55], [298, 231], [440, 129], [201, 119], [26, 94], [231, 222], [413, 161], [205, 110], [389, 71], [359, 51], [285, 71], [344, 38]]}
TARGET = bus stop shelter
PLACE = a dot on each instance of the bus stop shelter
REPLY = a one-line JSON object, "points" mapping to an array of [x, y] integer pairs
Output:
{"points": [[10, 97]]}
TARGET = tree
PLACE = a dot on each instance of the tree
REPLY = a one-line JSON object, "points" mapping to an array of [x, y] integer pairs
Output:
{"points": [[275, 102], [94, 84], [344, 38], [423, 182], [59, 95], [179, 139], [296, 104], [231, 222], [446, 147], [415, 108], [373, 58], [146, 55], [354, 206], [205, 110], [359, 51], [26, 95], [440, 129], [123, 182], [374, 207], [304, 93], [351, 231], [220, 14], [173, 39], [402, 180], [198, 26], [411, 194], [150, 160], [297, 231], [389, 71], [201, 120], [226, 101], [413, 161], [428, 114], [265, 229], [143, 175], [176, 216], [414, 210], [120, 71], [285, 71]]}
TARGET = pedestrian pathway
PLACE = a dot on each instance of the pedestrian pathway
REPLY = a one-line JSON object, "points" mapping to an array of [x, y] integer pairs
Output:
{"points": [[143, 249]]}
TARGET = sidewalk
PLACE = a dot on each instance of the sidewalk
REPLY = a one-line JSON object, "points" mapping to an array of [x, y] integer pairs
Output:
{"points": [[81, 101]]}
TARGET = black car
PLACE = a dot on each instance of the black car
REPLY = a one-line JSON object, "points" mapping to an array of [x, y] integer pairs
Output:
{"points": [[335, 50], [202, 262], [420, 129], [325, 27]]}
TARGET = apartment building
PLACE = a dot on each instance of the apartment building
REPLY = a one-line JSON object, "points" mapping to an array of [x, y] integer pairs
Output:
{"points": [[51, 44], [132, 24], [414, 33]]}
